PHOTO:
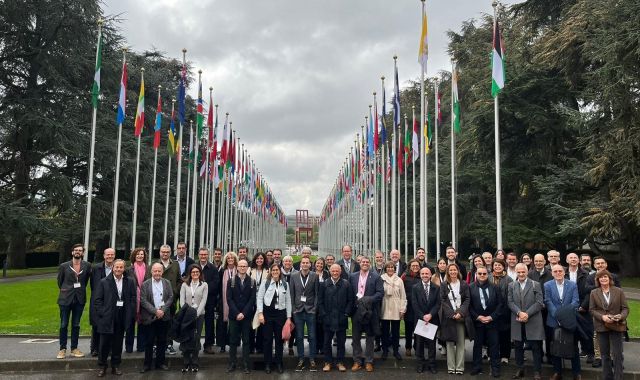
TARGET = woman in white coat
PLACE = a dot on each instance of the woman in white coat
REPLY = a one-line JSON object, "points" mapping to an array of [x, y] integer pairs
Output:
{"points": [[394, 305]]}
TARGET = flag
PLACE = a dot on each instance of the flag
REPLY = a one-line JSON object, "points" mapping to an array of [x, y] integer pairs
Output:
{"points": [[95, 91], [396, 99], [200, 109], [376, 137], [190, 156], [439, 96], [139, 124], [122, 100], [427, 130], [370, 142], [423, 52], [497, 61], [407, 143], [415, 142], [156, 128], [383, 130], [455, 100], [172, 133], [182, 83]]}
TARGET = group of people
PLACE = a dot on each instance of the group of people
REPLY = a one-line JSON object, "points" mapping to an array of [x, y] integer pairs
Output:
{"points": [[259, 304]]}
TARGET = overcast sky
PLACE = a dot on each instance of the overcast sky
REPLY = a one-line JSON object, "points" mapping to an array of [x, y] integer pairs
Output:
{"points": [[296, 76]]}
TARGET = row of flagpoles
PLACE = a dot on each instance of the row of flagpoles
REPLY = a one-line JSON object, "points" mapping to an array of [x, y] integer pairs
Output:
{"points": [[228, 202], [369, 184]]}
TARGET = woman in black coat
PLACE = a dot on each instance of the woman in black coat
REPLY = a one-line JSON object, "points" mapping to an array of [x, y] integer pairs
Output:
{"points": [[455, 321], [410, 278]]}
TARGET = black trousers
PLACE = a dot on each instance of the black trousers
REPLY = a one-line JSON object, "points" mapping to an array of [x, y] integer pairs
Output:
{"points": [[504, 341], [111, 344], [612, 357], [430, 345], [319, 334], [135, 331], [239, 330], [95, 339], [256, 341], [209, 325], [222, 333], [409, 326], [536, 350], [272, 335], [390, 335], [486, 336], [155, 335], [341, 338], [190, 358]]}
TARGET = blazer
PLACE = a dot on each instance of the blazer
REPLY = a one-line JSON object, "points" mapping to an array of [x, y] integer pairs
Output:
{"points": [[98, 272], [241, 299], [212, 278], [188, 261], [448, 330], [131, 273], [591, 280], [265, 296], [147, 305], [423, 306], [541, 278], [395, 298], [310, 291], [355, 267], [531, 302], [67, 279], [171, 273], [553, 302], [597, 308], [105, 303], [373, 288], [493, 304], [199, 296], [583, 289], [335, 303], [401, 267]]}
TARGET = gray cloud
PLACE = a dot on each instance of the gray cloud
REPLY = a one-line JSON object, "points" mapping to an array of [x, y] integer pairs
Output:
{"points": [[296, 76]]}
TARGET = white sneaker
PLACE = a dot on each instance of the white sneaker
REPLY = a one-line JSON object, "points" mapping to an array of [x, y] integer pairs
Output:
{"points": [[62, 354], [76, 353]]}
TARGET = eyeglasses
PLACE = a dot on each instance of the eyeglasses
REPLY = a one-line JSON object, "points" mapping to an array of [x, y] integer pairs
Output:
{"points": [[481, 274]]}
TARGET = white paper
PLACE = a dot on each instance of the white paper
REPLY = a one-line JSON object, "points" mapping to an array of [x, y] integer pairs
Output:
{"points": [[426, 330]]}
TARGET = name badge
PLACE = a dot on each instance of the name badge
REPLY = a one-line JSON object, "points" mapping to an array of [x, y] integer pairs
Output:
{"points": [[76, 285], [195, 306], [119, 303], [359, 295], [303, 299]]}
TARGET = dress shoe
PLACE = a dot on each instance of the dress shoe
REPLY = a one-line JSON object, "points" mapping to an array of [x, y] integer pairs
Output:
{"points": [[589, 359], [195, 369], [536, 376], [597, 363], [476, 371], [209, 350], [291, 352], [267, 368], [407, 353], [377, 349], [231, 368], [116, 371], [102, 372], [433, 370], [577, 377], [556, 376], [356, 367], [420, 368], [145, 369], [495, 374], [519, 374], [279, 368], [163, 367], [397, 355], [185, 369], [384, 355], [247, 370], [368, 367]]}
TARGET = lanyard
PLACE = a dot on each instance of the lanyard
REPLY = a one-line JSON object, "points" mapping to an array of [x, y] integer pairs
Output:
{"points": [[607, 297], [193, 292], [304, 282]]}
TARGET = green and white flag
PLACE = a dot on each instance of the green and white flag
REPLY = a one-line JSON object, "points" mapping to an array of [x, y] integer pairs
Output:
{"points": [[497, 62], [455, 100], [95, 91]]}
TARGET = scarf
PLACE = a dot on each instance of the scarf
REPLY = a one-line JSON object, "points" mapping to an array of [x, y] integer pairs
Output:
{"points": [[140, 270]]}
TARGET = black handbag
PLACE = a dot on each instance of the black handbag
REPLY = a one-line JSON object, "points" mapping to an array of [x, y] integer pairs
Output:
{"points": [[562, 344]]}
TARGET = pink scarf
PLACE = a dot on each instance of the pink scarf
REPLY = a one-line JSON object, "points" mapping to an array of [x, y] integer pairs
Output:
{"points": [[140, 271]]}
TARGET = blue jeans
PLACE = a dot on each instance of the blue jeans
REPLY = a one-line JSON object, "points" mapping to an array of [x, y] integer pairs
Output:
{"points": [[300, 319], [75, 311]]}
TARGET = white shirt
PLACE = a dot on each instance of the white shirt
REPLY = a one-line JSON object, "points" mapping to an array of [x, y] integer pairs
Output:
{"points": [[157, 288], [522, 284], [560, 288], [107, 270], [454, 295], [573, 276], [512, 274], [119, 286]]}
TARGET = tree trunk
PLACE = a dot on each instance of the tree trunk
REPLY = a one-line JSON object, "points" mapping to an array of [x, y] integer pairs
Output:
{"points": [[629, 245]]}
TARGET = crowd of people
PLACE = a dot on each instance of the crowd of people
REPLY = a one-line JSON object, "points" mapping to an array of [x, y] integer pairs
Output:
{"points": [[500, 302]]}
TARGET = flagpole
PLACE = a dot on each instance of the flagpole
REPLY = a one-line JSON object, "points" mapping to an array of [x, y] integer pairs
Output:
{"points": [[194, 186], [153, 191], [166, 205], [178, 150], [406, 224], [497, 157], [135, 194], [95, 92], [413, 184], [437, 163], [399, 183], [423, 146], [188, 193], [214, 174], [454, 238], [114, 220], [394, 236]]}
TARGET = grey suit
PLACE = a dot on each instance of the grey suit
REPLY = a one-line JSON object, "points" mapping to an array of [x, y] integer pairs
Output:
{"points": [[147, 306], [155, 330], [530, 301]]}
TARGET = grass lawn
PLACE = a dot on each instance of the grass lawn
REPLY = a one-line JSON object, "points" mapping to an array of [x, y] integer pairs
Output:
{"points": [[30, 271], [630, 282]]}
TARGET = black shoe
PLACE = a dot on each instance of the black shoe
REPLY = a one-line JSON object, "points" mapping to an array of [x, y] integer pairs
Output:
{"points": [[495, 374], [433, 370], [247, 370], [597, 363], [300, 365], [519, 374], [145, 369], [420, 368], [94, 353], [384, 355], [397, 355], [377, 349], [163, 367], [231, 368], [476, 371], [222, 350], [185, 369], [102, 372], [116, 371], [267, 369], [589, 359], [279, 368], [194, 369], [128, 350]]}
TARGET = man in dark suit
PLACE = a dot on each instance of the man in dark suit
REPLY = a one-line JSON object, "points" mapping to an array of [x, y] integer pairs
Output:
{"points": [[425, 298], [452, 258], [156, 298], [172, 274], [557, 294], [115, 304], [485, 308], [211, 277], [98, 272], [369, 291], [578, 275], [401, 266], [347, 263], [241, 299], [73, 277], [183, 260]]}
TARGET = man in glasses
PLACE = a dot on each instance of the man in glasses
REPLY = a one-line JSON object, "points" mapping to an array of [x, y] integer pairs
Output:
{"points": [[485, 308]]}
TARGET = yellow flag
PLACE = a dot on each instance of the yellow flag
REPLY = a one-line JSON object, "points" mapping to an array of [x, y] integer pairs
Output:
{"points": [[424, 41]]}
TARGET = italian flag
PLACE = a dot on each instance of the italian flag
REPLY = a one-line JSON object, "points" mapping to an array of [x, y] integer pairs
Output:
{"points": [[497, 62]]}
